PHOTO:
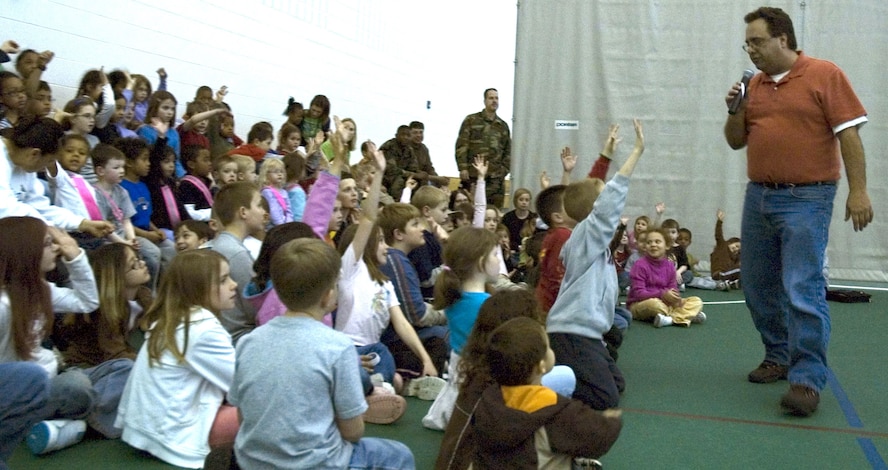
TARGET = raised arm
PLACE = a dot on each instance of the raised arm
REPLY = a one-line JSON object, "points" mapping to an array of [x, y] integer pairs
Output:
{"points": [[568, 162], [371, 204], [480, 165], [629, 166], [719, 231]]}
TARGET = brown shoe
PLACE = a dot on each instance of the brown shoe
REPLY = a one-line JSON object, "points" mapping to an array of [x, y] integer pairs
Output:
{"points": [[800, 400], [768, 372]]}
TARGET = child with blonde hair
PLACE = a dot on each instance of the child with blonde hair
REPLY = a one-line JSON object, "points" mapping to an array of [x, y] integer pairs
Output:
{"points": [[272, 176]]}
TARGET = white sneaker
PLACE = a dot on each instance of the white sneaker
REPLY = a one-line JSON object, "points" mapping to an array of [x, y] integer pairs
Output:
{"points": [[700, 318], [425, 388], [722, 285], [662, 320], [377, 379], [49, 436]]}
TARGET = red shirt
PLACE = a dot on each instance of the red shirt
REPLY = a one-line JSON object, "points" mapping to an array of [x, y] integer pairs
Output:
{"points": [[551, 267]]}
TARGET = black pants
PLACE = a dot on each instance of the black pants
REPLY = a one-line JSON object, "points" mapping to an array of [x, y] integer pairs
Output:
{"points": [[599, 380]]}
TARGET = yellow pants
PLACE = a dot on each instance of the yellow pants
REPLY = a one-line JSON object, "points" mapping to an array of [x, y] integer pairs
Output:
{"points": [[646, 310]]}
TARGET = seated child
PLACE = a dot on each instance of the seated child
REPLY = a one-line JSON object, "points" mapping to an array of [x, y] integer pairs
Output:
{"points": [[323, 401], [192, 234], [725, 258], [167, 211], [224, 172], [271, 179], [515, 219], [294, 164], [173, 403], [195, 188], [698, 281], [511, 413], [246, 168], [116, 206], [137, 168], [458, 444], [258, 142], [654, 294], [583, 311]]}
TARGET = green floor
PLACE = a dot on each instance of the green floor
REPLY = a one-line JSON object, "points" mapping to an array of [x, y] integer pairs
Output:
{"points": [[687, 404]]}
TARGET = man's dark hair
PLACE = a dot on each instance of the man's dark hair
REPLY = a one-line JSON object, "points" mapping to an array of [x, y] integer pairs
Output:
{"points": [[489, 89], [417, 125], [778, 23]]}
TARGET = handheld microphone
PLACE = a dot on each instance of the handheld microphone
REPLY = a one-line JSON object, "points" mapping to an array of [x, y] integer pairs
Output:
{"points": [[744, 83]]}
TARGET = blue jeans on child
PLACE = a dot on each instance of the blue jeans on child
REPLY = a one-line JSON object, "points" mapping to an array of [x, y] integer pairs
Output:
{"points": [[371, 453], [386, 365], [785, 233], [24, 392]]}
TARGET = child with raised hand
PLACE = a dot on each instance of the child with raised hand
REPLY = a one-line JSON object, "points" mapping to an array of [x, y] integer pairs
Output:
{"points": [[97, 343], [654, 294], [323, 401], [172, 406], [195, 188], [349, 133], [583, 311], [458, 444], [142, 93], [272, 177], [724, 261], [511, 413], [368, 303], [27, 305], [472, 263], [94, 85], [198, 114], [160, 121]]}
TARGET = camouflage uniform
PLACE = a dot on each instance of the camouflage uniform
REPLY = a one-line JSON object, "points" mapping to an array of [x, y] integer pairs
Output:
{"points": [[491, 138], [400, 161]]}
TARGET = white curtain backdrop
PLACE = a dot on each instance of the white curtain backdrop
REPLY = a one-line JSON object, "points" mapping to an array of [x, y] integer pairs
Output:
{"points": [[670, 63]]}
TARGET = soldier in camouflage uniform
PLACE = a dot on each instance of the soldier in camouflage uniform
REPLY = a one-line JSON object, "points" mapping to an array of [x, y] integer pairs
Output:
{"points": [[400, 162], [485, 134]]}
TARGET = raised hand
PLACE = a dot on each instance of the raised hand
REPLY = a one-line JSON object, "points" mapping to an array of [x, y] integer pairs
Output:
{"points": [[610, 144], [480, 165], [411, 183], [544, 180], [9, 46], [660, 208], [160, 126], [639, 135], [720, 215], [568, 161], [220, 94], [162, 73], [624, 220]]}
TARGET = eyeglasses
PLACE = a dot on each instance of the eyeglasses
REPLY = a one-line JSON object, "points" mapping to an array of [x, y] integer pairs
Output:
{"points": [[14, 92], [755, 43]]}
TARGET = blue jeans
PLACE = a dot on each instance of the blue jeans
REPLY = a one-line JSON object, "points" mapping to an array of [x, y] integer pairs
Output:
{"points": [[784, 233], [386, 365], [24, 391], [371, 453]]}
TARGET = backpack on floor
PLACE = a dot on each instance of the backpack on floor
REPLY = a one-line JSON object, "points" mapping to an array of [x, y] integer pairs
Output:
{"points": [[847, 296]]}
